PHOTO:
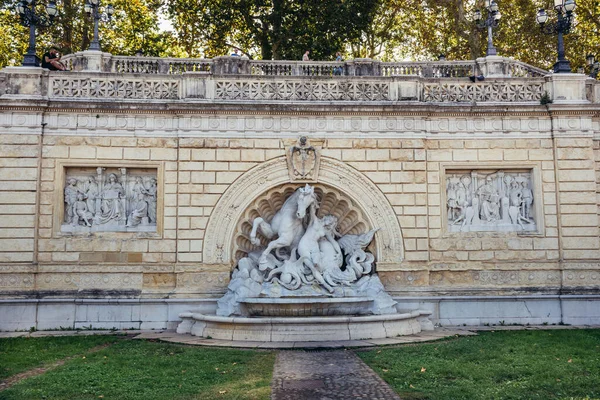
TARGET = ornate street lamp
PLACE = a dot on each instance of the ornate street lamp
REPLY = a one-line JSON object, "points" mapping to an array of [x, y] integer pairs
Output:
{"points": [[562, 26], [31, 19], [594, 65], [490, 22], [92, 8]]}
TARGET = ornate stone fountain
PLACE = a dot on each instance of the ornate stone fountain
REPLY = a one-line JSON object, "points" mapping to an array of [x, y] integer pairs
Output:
{"points": [[305, 272]]}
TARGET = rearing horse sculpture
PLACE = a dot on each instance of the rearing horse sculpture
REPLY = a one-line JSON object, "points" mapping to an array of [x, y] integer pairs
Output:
{"points": [[286, 224]]}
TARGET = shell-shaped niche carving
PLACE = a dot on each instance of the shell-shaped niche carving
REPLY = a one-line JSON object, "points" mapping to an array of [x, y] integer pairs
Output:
{"points": [[351, 219]]}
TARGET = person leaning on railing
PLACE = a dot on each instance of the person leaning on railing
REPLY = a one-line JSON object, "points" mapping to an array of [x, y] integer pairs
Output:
{"points": [[51, 60]]}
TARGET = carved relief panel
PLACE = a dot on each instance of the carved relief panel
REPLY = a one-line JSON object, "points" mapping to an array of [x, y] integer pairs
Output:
{"points": [[303, 161], [490, 201], [109, 199]]}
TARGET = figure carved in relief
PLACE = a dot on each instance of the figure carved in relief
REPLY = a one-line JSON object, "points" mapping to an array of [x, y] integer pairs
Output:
{"points": [[71, 191], [514, 194], [91, 193], [453, 211], [151, 199], [527, 198], [461, 203], [139, 204], [81, 211], [112, 207], [489, 200]]}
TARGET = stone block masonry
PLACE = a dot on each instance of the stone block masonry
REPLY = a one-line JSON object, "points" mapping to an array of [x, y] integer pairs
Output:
{"points": [[533, 191]]}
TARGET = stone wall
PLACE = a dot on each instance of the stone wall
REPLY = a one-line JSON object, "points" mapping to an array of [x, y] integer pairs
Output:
{"points": [[393, 163], [194, 172]]}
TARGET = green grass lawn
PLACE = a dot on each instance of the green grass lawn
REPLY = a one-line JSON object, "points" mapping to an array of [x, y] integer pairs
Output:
{"points": [[23, 353], [558, 364], [134, 369], [554, 364]]}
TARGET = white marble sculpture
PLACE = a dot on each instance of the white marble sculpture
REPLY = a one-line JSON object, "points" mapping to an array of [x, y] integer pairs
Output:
{"points": [[498, 201], [109, 201], [305, 257]]}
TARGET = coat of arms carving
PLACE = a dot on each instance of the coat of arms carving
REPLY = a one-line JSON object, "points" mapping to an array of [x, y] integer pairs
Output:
{"points": [[303, 161]]}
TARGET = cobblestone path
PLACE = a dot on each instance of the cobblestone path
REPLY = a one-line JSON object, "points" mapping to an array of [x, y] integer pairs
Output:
{"points": [[326, 375]]}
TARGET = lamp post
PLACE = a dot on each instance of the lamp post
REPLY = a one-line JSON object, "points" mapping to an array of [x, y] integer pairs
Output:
{"points": [[92, 8], [31, 19], [594, 65], [562, 26], [491, 21]]}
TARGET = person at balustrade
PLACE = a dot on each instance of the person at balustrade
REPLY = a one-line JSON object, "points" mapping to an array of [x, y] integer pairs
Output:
{"points": [[51, 60], [306, 56], [338, 58]]}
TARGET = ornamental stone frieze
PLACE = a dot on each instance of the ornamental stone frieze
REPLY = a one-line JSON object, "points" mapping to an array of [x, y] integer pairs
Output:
{"points": [[109, 199], [490, 201], [301, 90], [114, 88], [496, 91]]}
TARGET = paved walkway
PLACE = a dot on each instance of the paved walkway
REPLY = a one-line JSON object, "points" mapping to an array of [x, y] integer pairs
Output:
{"points": [[326, 375]]}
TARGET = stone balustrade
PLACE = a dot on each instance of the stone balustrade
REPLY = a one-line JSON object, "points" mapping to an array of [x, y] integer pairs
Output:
{"points": [[243, 66], [102, 76]]}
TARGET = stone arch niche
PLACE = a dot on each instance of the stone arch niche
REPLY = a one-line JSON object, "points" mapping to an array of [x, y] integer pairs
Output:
{"points": [[351, 220], [336, 181]]}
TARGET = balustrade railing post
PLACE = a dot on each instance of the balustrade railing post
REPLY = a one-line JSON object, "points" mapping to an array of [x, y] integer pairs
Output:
{"points": [[163, 66]]}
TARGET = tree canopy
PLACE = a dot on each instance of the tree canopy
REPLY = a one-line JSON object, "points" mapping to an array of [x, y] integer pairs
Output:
{"points": [[284, 29]]}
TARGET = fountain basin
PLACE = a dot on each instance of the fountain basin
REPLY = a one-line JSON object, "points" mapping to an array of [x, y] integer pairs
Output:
{"points": [[306, 306], [307, 329]]}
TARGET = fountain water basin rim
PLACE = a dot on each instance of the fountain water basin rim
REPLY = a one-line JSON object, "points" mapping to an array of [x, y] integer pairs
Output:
{"points": [[293, 329]]}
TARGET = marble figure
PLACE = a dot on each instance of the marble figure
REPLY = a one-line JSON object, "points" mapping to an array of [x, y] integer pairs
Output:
{"points": [[306, 257]]}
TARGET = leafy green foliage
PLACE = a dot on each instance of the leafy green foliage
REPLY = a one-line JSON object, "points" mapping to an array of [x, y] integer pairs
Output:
{"points": [[20, 354], [552, 364], [135, 25], [283, 29], [275, 29], [145, 370]]}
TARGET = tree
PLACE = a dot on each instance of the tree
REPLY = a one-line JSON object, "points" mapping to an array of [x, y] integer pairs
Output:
{"points": [[134, 26], [273, 29]]}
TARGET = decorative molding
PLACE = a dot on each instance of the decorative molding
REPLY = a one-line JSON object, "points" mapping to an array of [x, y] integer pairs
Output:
{"points": [[231, 208], [114, 88], [301, 90], [496, 91], [13, 281], [89, 281]]}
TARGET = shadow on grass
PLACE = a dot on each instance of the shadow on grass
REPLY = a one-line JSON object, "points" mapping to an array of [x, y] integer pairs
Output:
{"points": [[132, 370], [23, 353]]}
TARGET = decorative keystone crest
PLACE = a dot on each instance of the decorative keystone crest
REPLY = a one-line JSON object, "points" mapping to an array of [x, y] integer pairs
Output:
{"points": [[303, 161]]}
